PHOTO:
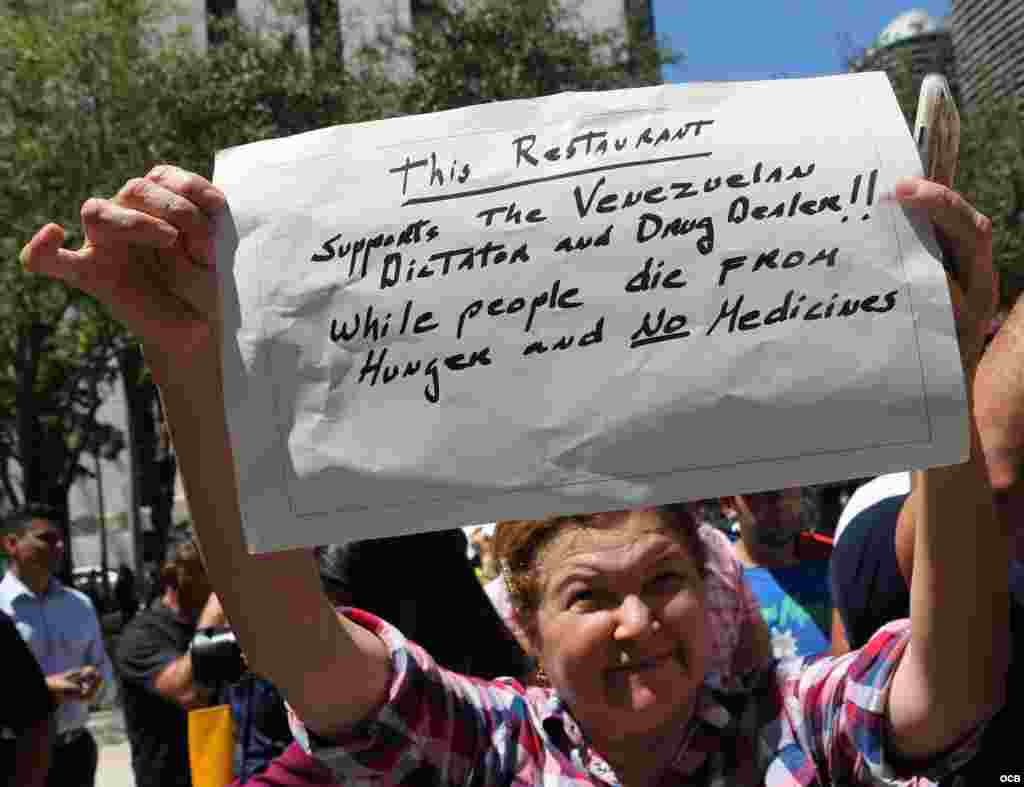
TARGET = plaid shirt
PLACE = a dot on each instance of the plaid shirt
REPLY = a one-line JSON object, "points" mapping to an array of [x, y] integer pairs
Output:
{"points": [[731, 608], [793, 725], [729, 602]]}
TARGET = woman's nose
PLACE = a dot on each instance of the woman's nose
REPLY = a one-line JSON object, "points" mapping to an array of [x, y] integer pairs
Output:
{"points": [[635, 618]]}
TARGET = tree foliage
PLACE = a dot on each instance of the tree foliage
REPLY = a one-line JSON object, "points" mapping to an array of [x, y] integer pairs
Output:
{"points": [[91, 94], [992, 177], [465, 53], [991, 169], [65, 80]]}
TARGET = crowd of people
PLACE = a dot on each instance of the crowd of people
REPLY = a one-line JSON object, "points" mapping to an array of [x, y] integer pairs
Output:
{"points": [[726, 641]]}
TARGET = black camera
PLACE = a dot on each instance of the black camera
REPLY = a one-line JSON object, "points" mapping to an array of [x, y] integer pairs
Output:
{"points": [[216, 657]]}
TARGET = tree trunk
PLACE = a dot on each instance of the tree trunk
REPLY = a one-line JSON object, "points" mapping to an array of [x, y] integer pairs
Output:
{"points": [[153, 463]]}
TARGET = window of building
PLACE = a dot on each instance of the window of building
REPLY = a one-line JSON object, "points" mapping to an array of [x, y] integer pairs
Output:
{"points": [[218, 13], [423, 10], [324, 25]]}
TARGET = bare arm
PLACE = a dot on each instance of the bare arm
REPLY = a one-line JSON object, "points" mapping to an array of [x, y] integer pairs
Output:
{"points": [[952, 675], [840, 645], [175, 682], [292, 636], [149, 256]]}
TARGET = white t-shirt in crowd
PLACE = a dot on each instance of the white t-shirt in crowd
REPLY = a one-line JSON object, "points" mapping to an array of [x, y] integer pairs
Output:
{"points": [[870, 493]]}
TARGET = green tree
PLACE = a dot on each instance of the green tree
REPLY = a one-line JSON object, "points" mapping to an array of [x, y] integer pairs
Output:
{"points": [[60, 72], [992, 177], [91, 94], [488, 50], [991, 168]]}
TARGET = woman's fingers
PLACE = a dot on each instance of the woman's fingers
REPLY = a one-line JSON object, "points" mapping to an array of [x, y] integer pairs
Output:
{"points": [[165, 205], [964, 226], [107, 224], [148, 254], [968, 234], [40, 255], [133, 287], [195, 188]]}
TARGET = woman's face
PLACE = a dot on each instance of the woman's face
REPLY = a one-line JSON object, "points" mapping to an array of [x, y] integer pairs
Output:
{"points": [[621, 628]]}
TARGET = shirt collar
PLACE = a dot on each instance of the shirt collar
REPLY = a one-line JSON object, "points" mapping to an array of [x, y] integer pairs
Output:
{"points": [[710, 720], [12, 587], [557, 720], [708, 725]]}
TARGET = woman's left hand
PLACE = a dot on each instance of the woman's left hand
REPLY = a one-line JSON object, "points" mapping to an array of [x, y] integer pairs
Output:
{"points": [[966, 235]]}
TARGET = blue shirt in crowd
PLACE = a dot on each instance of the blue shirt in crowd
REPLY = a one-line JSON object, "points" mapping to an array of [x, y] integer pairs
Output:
{"points": [[62, 631]]}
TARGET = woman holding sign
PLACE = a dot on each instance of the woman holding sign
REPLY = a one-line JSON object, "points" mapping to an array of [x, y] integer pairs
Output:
{"points": [[613, 604]]}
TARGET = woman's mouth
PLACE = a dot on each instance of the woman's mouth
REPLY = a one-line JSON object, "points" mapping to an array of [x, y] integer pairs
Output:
{"points": [[630, 663]]}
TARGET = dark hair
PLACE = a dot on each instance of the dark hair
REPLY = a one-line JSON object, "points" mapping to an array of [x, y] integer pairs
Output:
{"points": [[17, 523], [185, 572], [183, 562], [423, 584]]}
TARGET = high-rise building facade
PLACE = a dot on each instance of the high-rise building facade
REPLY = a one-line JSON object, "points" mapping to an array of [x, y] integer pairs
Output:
{"points": [[988, 39], [914, 41], [363, 21]]}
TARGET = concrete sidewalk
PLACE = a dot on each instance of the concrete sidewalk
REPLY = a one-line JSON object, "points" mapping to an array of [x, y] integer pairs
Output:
{"points": [[115, 765]]}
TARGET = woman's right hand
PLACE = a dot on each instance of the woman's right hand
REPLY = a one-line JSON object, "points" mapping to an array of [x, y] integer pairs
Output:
{"points": [[148, 256]]}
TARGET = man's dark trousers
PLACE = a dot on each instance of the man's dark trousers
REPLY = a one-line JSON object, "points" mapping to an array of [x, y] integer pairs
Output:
{"points": [[73, 762]]}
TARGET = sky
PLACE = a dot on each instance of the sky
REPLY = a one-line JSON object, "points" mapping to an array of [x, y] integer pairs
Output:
{"points": [[765, 40]]}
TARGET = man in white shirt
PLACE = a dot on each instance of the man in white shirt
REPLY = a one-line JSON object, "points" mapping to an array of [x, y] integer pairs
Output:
{"points": [[60, 627]]}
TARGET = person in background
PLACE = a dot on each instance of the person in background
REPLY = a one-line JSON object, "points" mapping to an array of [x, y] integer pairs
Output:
{"points": [[257, 708], [26, 714], [868, 583], [787, 568], [424, 584], [61, 628], [872, 509], [155, 668], [867, 494]]}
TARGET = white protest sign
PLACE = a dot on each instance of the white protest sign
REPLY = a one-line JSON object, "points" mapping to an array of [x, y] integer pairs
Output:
{"points": [[578, 303]]}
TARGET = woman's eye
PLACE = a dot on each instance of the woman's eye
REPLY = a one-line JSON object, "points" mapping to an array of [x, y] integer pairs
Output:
{"points": [[580, 597], [667, 580]]}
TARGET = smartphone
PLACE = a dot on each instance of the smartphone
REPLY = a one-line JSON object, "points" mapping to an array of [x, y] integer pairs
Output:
{"points": [[937, 134]]}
